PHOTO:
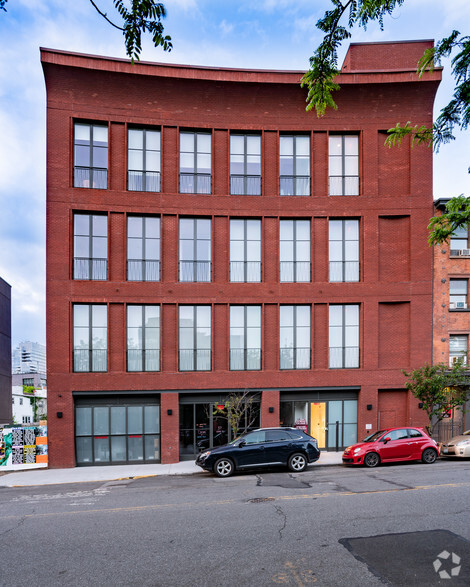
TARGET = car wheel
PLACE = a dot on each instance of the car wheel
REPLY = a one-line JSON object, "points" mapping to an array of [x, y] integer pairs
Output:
{"points": [[429, 456], [223, 467], [297, 462], [371, 459]]}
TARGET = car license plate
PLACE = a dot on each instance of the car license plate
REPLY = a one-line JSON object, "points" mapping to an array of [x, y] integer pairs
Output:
{"points": [[446, 450]]}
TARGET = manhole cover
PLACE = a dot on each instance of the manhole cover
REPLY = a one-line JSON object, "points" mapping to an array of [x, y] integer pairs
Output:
{"points": [[260, 499]]}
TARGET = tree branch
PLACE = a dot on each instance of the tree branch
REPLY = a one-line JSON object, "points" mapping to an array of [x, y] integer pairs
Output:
{"points": [[105, 16]]}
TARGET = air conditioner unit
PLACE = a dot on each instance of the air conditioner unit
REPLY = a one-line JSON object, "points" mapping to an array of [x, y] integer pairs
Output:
{"points": [[452, 305], [454, 252], [461, 305], [465, 252]]}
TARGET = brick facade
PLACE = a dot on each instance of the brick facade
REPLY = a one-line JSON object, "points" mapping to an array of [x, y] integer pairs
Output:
{"points": [[378, 88]]}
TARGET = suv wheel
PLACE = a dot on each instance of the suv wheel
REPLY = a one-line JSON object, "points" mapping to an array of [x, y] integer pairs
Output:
{"points": [[297, 462], [223, 467]]}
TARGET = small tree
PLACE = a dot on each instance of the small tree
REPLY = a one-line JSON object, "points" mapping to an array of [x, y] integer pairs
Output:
{"points": [[439, 389], [239, 411]]}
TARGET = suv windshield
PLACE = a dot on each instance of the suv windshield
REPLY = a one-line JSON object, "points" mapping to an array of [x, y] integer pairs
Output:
{"points": [[374, 437]]}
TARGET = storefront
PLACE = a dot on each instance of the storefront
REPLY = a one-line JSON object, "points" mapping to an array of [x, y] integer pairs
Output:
{"points": [[205, 423], [117, 430], [330, 417]]}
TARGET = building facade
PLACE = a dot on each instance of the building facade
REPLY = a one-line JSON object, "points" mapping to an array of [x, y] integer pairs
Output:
{"points": [[5, 352], [451, 329], [29, 357], [206, 235]]}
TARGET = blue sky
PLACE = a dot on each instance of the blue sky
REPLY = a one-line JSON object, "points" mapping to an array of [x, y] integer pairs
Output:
{"points": [[268, 34]]}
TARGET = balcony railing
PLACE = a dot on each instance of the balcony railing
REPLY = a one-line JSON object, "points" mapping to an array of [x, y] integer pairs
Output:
{"points": [[294, 358], [195, 360], [140, 270], [344, 271], [90, 177], [143, 360], [245, 359], [143, 181], [86, 360], [295, 271], [344, 185], [294, 185], [245, 271], [195, 183], [195, 270], [96, 269], [344, 358], [245, 185]]}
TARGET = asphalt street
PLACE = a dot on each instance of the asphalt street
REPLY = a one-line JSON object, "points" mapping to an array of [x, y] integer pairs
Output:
{"points": [[405, 524]]}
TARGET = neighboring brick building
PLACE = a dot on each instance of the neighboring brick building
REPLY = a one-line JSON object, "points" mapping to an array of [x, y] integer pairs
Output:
{"points": [[451, 311], [205, 234], [5, 352]]}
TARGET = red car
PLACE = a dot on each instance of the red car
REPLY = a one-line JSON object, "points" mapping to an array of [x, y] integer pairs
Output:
{"points": [[392, 445]]}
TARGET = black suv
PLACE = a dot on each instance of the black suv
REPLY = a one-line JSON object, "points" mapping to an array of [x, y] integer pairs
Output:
{"points": [[265, 447]]}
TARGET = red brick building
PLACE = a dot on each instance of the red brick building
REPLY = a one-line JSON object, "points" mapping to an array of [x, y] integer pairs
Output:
{"points": [[205, 234]]}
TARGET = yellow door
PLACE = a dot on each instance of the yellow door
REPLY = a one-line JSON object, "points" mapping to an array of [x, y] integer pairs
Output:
{"points": [[318, 422]]}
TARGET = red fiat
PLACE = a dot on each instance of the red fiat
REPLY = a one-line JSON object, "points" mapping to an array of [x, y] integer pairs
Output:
{"points": [[392, 445]]}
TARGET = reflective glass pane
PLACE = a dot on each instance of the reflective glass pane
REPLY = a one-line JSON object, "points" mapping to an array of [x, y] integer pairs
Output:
{"points": [[118, 420], [82, 132], [237, 144], [151, 419], [84, 450], [101, 451], [100, 421], [118, 448], [134, 420], [152, 448], [135, 448], [135, 139], [82, 421]]}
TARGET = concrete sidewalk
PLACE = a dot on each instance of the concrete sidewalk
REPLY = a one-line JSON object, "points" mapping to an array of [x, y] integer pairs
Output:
{"points": [[114, 472]]}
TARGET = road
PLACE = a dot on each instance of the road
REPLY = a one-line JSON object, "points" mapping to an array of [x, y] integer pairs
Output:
{"points": [[327, 526]]}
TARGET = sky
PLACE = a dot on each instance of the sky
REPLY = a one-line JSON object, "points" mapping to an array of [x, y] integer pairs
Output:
{"points": [[266, 34]]}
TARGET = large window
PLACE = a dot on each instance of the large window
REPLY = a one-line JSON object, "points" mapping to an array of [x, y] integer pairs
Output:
{"points": [[294, 337], [90, 337], [344, 165], [344, 336], [245, 250], [90, 156], [143, 160], [194, 338], [294, 165], [143, 248], [143, 338], [459, 241], [294, 250], [458, 290], [195, 249], [123, 432], [458, 348], [245, 164], [195, 163], [344, 250], [90, 246], [245, 338]]}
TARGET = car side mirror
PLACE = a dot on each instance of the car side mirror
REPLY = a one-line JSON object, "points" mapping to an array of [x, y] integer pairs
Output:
{"points": [[388, 439], [242, 444]]}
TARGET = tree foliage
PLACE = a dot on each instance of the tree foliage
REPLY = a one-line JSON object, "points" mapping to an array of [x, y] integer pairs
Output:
{"points": [[439, 389], [239, 411], [336, 25], [137, 17]]}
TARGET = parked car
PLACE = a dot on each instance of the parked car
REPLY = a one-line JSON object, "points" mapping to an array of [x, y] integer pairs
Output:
{"points": [[264, 447], [458, 446], [392, 445]]}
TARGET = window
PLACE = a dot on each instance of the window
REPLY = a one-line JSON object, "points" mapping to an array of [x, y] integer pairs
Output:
{"points": [[21, 401], [195, 249], [90, 337], [29, 381], [143, 160], [294, 165], [90, 246], [344, 250], [458, 348], [245, 250], [458, 289], [143, 248], [26, 419], [90, 156], [245, 165], [344, 165], [245, 338], [143, 338], [397, 434], [195, 163], [459, 240], [294, 250], [344, 336], [194, 338], [294, 336]]}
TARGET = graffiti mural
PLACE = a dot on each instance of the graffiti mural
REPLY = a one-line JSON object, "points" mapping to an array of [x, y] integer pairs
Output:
{"points": [[23, 447]]}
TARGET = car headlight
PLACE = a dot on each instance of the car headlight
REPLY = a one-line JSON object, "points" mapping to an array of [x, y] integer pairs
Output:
{"points": [[357, 450], [204, 455], [462, 443]]}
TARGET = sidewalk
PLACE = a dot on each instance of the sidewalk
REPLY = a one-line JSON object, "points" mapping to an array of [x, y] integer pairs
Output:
{"points": [[114, 472]]}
